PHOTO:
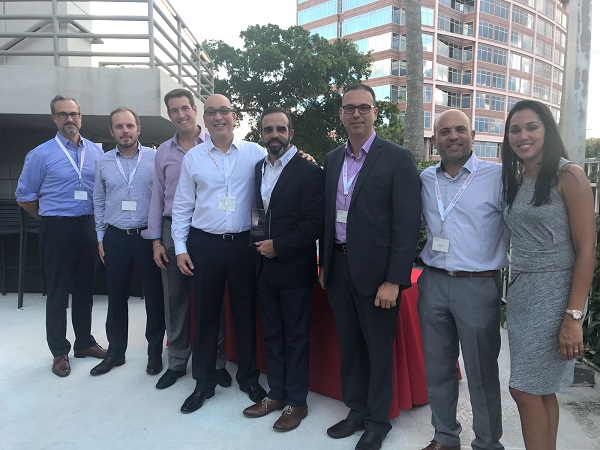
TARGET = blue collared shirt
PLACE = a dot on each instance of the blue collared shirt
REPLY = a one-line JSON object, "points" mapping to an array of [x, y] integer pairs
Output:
{"points": [[49, 177], [111, 189], [475, 226]]}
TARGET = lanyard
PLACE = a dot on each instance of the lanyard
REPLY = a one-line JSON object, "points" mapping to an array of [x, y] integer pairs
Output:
{"points": [[68, 155], [226, 176], [444, 213], [130, 179], [348, 182]]}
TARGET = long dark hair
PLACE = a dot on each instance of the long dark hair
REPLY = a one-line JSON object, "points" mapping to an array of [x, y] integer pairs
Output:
{"points": [[553, 150]]}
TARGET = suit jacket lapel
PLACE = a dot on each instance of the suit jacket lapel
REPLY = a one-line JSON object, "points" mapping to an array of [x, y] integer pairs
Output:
{"points": [[335, 170], [374, 153], [285, 175], [257, 184]]}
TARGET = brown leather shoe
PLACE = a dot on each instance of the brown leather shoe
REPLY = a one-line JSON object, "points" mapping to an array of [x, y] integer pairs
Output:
{"points": [[291, 418], [61, 366], [435, 445], [95, 351], [266, 406]]}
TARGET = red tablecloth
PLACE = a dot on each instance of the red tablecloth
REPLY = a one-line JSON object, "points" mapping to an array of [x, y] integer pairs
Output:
{"points": [[410, 388]]}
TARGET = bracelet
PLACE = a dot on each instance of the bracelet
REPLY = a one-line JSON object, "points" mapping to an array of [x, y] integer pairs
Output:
{"points": [[157, 245]]}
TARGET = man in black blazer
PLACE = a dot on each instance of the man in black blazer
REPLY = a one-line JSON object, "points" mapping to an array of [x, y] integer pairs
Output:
{"points": [[291, 188], [372, 221]]}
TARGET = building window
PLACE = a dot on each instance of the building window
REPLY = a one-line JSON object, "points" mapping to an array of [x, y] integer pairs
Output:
{"points": [[388, 93], [427, 16], [484, 78], [545, 28], [521, 85], [327, 31], [427, 42], [497, 103], [511, 102], [447, 98], [486, 30], [498, 80], [426, 94], [560, 38], [370, 20], [559, 58], [349, 4], [521, 40], [500, 57], [379, 43], [557, 77], [464, 6], [467, 77], [496, 126], [522, 17], [427, 119], [556, 96], [427, 69], [543, 69], [543, 49], [485, 149], [482, 101], [546, 7], [484, 53], [541, 91], [325, 9], [466, 101], [482, 124]]}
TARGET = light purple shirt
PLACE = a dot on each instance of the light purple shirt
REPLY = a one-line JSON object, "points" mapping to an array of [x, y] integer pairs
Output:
{"points": [[166, 176], [342, 201]]}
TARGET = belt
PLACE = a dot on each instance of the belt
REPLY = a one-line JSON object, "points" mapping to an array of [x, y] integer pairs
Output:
{"points": [[130, 231], [169, 218], [340, 248], [88, 217], [225, 236], [465, 274]]}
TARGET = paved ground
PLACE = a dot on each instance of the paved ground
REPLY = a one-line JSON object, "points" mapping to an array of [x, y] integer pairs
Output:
{"points": [[123, 410]]}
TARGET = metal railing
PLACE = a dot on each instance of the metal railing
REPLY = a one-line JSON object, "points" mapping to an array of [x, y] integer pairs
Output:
{"points": [[151, 34]]}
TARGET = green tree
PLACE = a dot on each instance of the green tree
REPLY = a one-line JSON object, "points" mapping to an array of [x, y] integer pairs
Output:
{"points": [[292, 69], [592, 148], [389, 122]]}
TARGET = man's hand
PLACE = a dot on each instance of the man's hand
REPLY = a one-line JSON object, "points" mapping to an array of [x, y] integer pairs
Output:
{"points": [[266, 248], [101, 251], [159, 254], [387, 295], [185, 264], [307, 157]]}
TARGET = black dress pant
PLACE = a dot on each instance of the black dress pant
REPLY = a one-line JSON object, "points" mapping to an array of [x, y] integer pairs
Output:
{"points": [[216, 262], [286, 315], [121, 253], [69, 251], [366, 336]]}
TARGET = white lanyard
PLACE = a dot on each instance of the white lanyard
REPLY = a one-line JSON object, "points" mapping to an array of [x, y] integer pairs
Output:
{"points": [[68, 155], [347, 182], [444, 213], [226, 176], [130, 179]]}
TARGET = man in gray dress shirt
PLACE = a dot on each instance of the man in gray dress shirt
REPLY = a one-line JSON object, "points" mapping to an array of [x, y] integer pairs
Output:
{"points": [[460, 287], [121, 204], [182, 111]]}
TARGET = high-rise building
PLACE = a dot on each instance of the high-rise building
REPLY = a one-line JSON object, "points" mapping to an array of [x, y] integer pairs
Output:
{"points": [[481, 56]]}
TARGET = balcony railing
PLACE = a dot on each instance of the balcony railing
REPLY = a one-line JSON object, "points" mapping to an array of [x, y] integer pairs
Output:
{"points": [[133, 33]]}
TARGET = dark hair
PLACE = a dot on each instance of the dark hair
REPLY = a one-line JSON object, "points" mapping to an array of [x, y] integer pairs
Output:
{"points": [[60, 98], [123, 109], [360, 86], [273, 110], [175, 93], [552, 151]]}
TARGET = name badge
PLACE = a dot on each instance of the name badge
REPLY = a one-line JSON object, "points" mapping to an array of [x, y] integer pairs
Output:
{"points": [[128, 205], [226, 203], [80, 195], [440, 245], [341, 216]]}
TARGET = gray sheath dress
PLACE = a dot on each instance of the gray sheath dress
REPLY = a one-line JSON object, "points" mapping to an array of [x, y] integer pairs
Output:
{"points": [[542, 261]]}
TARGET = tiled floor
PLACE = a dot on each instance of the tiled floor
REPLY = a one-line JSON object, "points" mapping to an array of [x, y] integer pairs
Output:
{"points": [[123, 410]]}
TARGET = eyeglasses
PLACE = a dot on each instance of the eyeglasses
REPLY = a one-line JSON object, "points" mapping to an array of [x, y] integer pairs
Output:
{"points": [[212, 112], [72, 115], [363, 109]]}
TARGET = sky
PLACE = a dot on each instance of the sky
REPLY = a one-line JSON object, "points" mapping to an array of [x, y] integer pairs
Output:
{"points": [[201, 18]]}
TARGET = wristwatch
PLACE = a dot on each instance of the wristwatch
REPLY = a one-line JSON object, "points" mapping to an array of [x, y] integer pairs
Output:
{"points": [[575, 314]]}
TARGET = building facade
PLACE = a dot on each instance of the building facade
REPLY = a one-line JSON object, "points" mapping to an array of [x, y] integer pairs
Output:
{"points": [[480, 56]]}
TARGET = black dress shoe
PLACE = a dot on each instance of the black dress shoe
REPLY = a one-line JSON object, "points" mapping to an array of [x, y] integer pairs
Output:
{"points": [[255, 392], [369, 441], [154, 366], [344, 428], [106, 365], [195, 401], [223, 378], [169, 378]]}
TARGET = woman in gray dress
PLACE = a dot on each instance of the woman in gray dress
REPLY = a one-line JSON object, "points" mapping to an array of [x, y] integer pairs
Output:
{"points": [[550, 212]]}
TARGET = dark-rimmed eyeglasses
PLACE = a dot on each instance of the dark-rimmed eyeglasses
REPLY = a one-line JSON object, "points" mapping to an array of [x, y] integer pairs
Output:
{"points": [[64, 115], [222, 111], [363, 109]]}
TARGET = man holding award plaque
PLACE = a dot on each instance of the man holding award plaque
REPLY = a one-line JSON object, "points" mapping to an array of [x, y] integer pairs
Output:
{"points": [[287, 221]]}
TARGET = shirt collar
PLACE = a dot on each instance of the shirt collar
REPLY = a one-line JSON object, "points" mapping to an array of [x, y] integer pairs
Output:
{"points": [[365, 147], [467, 166], [66, 141], [202, 137], [284, 159], [136, 151]]}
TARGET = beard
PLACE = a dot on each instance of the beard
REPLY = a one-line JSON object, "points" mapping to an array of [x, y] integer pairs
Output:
{"points": [[277, 146]]}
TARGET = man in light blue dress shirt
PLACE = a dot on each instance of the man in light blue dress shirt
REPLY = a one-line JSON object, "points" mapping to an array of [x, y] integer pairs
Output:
{"points": [[121, 203], [460, 288], [56, 184]]}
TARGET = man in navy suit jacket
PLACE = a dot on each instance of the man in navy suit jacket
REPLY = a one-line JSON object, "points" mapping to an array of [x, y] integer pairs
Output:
{"points": [[291, 189], [372, 221]]}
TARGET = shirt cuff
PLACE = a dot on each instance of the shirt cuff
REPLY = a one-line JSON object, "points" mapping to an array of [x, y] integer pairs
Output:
{"points": [[180, 247], [151, 234]]}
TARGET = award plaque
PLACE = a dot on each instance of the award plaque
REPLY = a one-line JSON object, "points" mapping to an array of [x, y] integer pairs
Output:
{"points": [[261, 225]]}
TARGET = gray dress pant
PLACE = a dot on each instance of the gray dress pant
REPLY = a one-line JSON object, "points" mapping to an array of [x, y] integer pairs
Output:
{"points": [[465, 310], [177, 287]]}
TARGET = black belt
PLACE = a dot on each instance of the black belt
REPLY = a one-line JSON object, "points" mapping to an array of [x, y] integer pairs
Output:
{"points": [[169, 218], [130, 231], [464, 273], [87, 217], [340, 248], [225, 236]]}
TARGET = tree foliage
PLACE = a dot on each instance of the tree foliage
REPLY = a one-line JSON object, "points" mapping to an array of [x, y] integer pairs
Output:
{"points": [[592, 148], [292, 69]]}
